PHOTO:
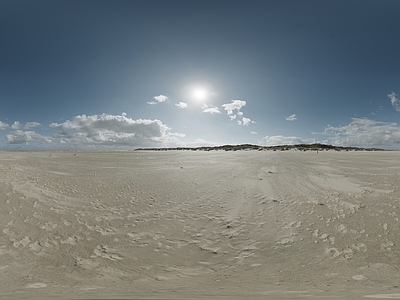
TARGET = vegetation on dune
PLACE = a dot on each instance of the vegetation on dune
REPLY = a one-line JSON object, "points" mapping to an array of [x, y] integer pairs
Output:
{"points": [[299, 147]]}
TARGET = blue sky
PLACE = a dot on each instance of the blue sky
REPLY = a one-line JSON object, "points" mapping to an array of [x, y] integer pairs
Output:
{"points": [[126, 74]]}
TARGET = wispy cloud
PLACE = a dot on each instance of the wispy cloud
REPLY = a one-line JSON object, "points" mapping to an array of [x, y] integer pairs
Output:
{"points": [[30, 125], [291, 118], [182, 105], [210, 109], [277, 140], [158, 99], [363, 132], [253, 132], [395, 100]]}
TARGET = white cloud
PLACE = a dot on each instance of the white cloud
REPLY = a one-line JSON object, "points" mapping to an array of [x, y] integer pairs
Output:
{"points": [[234, 105], [253, 132], [277, 140], [395, 100], [4, 126], [291, 118], [159, 99], [246, 121], [210, 109], [114, 130], [182, 105], [16, 125], [233, 111], [25, 137], [364, 133], [30, 125]]}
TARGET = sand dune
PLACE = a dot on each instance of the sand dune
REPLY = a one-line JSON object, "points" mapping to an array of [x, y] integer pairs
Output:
{"points": [[254, 224]]}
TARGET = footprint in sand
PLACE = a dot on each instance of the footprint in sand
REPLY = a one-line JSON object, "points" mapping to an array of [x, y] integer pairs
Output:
{"points": [[87, 264], [348, 253], [359, 247], [387, 246], [73, 240], [106, 252], [49, 226], [35, 247], [22, 243], [332, 252]]}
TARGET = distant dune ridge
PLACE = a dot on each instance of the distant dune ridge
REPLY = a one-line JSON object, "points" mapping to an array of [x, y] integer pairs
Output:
{"points": [[301, 147], [200, 225]]}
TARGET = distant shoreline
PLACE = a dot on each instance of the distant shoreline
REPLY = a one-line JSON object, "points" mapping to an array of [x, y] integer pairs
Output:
{"points": [[299, 147], [240, 147]]}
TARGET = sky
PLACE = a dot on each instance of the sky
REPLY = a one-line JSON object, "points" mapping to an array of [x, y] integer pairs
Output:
{"points": [[126, 74]]}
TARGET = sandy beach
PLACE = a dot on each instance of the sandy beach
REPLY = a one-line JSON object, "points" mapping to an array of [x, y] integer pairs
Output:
{"points": [[191, 224]]}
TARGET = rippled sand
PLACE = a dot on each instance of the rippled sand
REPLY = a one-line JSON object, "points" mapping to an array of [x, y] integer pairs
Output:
{"points": [[185, 224]]}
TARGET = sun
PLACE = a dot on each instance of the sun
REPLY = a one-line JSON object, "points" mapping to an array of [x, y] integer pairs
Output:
{"points": [[199, 94]]}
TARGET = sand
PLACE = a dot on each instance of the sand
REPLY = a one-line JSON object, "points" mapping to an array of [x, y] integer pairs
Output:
{"points": [[189, 225]]}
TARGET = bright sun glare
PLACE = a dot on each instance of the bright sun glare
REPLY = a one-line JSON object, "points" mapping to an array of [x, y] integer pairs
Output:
{"points": [[199, 94]]}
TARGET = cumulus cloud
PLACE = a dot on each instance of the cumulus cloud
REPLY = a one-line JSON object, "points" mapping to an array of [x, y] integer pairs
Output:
{"points": [[210, 109], [363, 132], [253, 132], [113, 130], [4, 126], [158, 99], [235, 105], [16, 125], [233, 111], [277, 140], [25, 137], [291, 118], [182, 105], [245, 121], [395, 100]]}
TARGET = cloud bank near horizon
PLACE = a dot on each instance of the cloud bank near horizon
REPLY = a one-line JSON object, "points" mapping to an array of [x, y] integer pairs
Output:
{"points": [[363, 132], [107, 130], [120, 131], [98, 130]]}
